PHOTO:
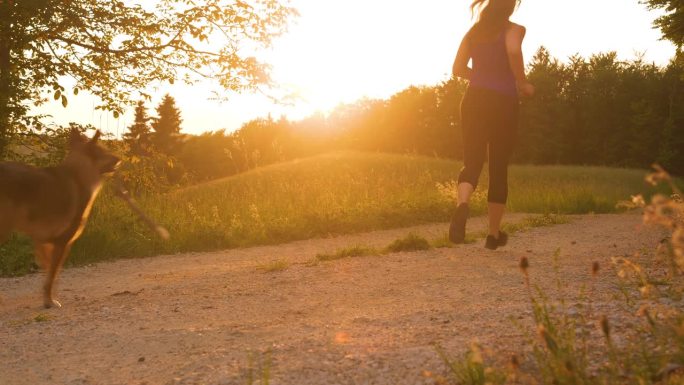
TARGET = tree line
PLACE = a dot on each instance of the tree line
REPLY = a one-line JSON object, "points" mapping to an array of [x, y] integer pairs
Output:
{"points": [[587, 111]]}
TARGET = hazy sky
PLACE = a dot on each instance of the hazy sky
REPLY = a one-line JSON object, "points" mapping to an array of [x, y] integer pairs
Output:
{"points": [[343, 50]]}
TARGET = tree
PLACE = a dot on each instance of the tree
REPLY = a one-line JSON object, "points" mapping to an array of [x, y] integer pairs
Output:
{"points": [[138, 135], [210, 155], [671, 151], [672, 23], [540, 116], [672, 26], [114, 49], [166, 126]]}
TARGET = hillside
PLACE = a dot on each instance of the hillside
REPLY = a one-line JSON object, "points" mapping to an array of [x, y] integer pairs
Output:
{"points": [[325, 195]]}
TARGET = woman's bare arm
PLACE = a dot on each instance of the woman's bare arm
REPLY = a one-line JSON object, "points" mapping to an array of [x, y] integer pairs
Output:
{"points": [[514, 39], [460, 68]]}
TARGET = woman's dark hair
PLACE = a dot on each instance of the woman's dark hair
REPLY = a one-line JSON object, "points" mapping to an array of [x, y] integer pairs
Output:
{"points": [[492, 16]]}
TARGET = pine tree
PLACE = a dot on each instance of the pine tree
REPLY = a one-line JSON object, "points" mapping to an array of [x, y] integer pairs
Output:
{"points": [[138, 135], [166, 126]]}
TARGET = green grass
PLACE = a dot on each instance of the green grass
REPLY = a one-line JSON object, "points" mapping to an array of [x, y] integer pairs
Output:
{"points": [[274, 266], [532, 221], [411, 242], [16, 257], [321, 196], [527, 223], [573, 189], [349, 252], [42, 317], [37, 318], [441, 242], [415, 242]]}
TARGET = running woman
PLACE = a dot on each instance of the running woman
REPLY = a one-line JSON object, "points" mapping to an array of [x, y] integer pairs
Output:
{"points": [[489, 110]]}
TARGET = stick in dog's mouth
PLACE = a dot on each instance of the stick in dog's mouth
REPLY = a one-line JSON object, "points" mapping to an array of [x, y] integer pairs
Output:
{"points": [[122, 193]]}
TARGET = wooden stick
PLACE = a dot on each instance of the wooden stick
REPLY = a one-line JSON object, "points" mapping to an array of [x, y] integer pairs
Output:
{"points": [[126, 196]]}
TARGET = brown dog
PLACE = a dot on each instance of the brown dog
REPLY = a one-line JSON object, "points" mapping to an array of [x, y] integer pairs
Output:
{"points": [[51, 205]]}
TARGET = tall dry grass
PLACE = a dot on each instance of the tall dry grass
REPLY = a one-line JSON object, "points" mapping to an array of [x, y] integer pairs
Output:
{"points": [[591, 347]]}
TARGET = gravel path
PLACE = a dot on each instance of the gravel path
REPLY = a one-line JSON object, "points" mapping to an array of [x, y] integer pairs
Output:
{"points": [[208, 318]]}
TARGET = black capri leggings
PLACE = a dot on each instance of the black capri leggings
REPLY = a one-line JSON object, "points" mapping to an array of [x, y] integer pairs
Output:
{"points": [[488, 119]]}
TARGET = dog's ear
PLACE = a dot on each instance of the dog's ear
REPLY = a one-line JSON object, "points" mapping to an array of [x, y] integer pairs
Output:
{"points": [[96, 137], [75, 137]]}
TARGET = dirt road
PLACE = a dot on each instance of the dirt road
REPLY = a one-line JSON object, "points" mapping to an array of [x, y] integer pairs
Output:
{"points": [[201, 318]]}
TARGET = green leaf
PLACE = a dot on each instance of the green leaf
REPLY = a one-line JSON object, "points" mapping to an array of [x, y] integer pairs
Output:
{"points": [[64, 101], [139, 30], [116, 114]]}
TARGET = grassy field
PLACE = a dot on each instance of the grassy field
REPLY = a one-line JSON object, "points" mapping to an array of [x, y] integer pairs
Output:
{"points": [[329, 194]]}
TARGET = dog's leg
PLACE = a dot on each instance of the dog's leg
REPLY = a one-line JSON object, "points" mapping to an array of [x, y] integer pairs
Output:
{"points": [[43, 253], [60, 250]]}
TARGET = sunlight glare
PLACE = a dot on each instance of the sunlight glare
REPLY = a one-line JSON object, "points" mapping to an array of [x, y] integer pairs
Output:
{"points": [[343, 51], [340, 52]]}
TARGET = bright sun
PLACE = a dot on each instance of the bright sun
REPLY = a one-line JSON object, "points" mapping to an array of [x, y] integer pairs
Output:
{"points": [[340, 52]]}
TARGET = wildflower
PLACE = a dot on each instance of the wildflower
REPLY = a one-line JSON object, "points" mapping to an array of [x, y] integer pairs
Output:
{"points": [[643, 311], [524, 265], [646, 290], [193, 211], [515, 363], [569, 366], [476, 353], [215, 214], [679, 329], [595, 267], [235, 222], [550, 343], [448, 190], [605, 326], [658, 176], [638, 200], [254, 212], [678, 238]]}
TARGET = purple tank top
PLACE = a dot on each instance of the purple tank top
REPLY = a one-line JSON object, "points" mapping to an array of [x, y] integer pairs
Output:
{"points": [[491, 68]]}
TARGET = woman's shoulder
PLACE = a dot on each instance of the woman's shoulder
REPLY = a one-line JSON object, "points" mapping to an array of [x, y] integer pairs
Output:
{"points": [[516, 28], [471, 31], [515, 33]]}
